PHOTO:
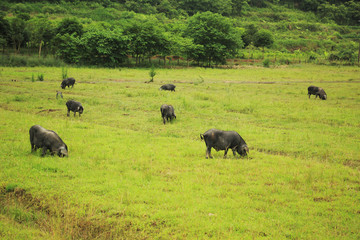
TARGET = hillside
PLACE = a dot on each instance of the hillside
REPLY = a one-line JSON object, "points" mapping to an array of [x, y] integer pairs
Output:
{"points": [[75, 31]]}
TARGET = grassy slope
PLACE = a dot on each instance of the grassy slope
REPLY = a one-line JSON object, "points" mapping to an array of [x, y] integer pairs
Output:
{"points": [[129, 175]]}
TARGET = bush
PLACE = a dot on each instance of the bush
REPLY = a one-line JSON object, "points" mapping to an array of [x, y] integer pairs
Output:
{"points": [[266, 63], [152, 73], [10, 187], [284, 61]]}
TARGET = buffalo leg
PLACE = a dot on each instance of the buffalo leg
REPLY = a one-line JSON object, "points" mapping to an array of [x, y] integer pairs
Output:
{"points": [[44, 149], [68, 113], [234, 152], [74, 114], [226, 150], [208, 152]]}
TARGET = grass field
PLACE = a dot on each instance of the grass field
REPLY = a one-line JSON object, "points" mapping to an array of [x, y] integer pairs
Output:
{"points": [[129, 176]]}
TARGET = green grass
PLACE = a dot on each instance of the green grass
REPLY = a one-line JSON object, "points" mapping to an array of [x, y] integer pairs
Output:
{"points": [[130, 176]]}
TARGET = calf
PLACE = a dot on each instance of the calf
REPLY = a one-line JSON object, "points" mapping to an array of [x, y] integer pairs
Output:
{"points": [[59, 94], [317, 91], [224, 140], [168, 87], [47, 140], [75, 107], [67, 82], [167, 112]]}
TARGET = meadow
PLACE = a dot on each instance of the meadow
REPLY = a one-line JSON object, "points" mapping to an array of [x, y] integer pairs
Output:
{"points": [[129, 176]]}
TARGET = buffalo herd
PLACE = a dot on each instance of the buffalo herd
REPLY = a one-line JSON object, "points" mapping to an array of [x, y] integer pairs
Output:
{"points": [[214, 138]]}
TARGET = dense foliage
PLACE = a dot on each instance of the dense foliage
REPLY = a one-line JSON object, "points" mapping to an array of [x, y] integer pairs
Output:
{"points": [[108, 32]]}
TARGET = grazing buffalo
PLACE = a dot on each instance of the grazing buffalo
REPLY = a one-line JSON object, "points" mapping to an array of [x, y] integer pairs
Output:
{"points": [[47, 139], [167, 112], [75, 107], [68, 82], [224, 140], [168, 87], [317, 91]]}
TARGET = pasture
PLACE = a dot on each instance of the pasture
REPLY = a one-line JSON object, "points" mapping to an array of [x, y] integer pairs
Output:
{"points": [[129, 176]]}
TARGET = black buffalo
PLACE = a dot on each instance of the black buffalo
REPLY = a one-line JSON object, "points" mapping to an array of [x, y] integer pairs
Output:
{"points": [[67, 82], [224, 140], [74, 106], [168, 87], [167, 112], [317, 91], [47, 140]]}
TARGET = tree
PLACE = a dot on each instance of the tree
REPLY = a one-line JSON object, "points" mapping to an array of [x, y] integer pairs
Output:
{"points": [[214, 37], [263, 38], [4, 32], [41, 31], [68, 48], [146, 38], [238, 6], [103, 47], [69, 26], [18, 33], [249, 34]]}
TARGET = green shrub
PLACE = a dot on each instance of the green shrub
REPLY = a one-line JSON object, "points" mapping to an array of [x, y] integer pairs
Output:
{"points": [[10, 187], [41, 77], [266, 63], [152, 73], [64, 73]]}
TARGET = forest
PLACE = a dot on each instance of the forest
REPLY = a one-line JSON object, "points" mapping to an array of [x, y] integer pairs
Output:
{"points": [[187, 32]]}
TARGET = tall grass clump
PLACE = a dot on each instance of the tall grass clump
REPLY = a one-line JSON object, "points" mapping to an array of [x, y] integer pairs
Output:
{"points": [[152, 73], [40, 77], [266, 63], [64, 72]]}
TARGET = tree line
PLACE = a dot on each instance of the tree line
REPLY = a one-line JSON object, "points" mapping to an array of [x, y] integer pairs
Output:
{"points": [[206, 38], [105, 33]]}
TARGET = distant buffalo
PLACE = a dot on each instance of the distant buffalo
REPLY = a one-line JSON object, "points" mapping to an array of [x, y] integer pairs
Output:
{"points": [[74, 106], [224, 140], [168, 87], [47, 140], [68, 82], [167, 112], [317, 91], [59, 94]]}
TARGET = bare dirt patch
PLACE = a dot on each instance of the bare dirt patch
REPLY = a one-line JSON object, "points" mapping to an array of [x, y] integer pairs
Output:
{"points": [[49, 110], [66, 224]]}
